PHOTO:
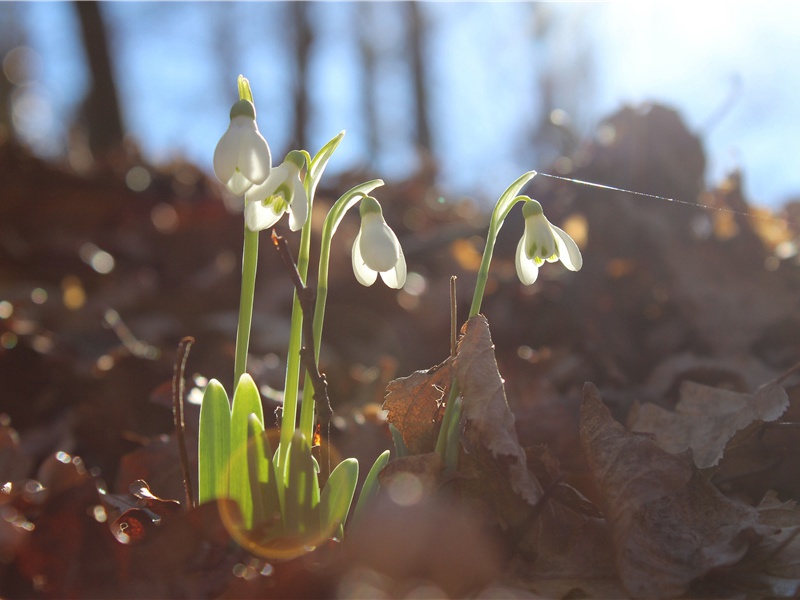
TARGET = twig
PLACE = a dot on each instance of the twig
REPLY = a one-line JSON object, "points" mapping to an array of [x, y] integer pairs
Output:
{"points": [[453, 316], [322, 404], [177, 414]]}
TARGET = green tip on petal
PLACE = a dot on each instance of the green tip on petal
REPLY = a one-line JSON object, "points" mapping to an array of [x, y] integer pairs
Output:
{"points": [[369, 205], [245, 93], [297, 158], [243, 108], [531, 208]]}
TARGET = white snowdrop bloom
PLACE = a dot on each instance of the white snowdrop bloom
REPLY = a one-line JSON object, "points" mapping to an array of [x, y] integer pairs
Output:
{"points": [[376, 249], [282, 192], [242, 158], [543, 242]]}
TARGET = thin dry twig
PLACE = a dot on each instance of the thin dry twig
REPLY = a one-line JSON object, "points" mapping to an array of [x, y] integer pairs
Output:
{"points": [[177, 414], [322, 404]]}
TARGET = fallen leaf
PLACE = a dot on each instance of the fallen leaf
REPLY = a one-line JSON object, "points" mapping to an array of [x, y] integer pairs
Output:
{"points": [[772, 566], [489, 423], [415, 405], [669, 525], [706, 418]]}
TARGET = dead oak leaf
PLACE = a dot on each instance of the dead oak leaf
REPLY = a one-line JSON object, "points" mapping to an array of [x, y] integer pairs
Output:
{"points": [[669, 525], [772, 566], [706, 418], [415, 405], [489, 423]]}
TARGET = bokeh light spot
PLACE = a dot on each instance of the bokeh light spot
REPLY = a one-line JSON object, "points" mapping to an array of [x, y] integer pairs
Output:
{"points": [[138, 179]]}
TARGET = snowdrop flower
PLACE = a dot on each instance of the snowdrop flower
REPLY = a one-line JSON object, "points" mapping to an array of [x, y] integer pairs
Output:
{"points": [[543, 242], [242, 157], [376, 249], [282, 192]]}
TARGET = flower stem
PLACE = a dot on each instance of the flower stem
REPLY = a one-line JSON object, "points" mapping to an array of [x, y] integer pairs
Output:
{"points": [[249, 264], [291, 389], [452, 411]]}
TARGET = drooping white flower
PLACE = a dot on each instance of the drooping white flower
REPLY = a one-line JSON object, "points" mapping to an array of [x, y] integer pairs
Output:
{"points": [[543, 242], [242, 157], [282, 192], [376, 249]]}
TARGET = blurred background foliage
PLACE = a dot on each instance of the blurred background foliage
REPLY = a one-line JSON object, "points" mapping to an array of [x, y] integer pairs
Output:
{"points": [[481, 91]]}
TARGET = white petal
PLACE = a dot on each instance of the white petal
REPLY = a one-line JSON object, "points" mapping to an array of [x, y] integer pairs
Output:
{"points": [[538, 231], [265, 190], [258, 217], [239, 184], [378, 245], [254, 160], [527, 271], [225, 156], [568, 251], [298, 209], [396, 278], [363, 273]]}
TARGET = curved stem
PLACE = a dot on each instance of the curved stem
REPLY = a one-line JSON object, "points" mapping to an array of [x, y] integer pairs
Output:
{"points": [[452, 412], [335, 215], [499, 214]]}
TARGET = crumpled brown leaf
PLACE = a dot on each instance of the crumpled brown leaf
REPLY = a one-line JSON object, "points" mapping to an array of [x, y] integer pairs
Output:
{"points": [[669, 525], [415, 405], [489, 423], [772, 566], [706, 418]]}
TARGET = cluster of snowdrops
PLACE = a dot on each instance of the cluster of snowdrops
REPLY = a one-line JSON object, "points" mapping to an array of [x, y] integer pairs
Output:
{"points": [[282, 511]]}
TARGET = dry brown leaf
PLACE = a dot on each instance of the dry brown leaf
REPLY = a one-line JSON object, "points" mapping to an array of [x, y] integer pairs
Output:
{"points": [[771, 569], [669, 525], [706, 418], [415, 405], [489, 421]]}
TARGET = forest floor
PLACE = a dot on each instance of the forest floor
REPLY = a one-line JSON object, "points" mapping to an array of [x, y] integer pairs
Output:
{"points": [[652, 450]]}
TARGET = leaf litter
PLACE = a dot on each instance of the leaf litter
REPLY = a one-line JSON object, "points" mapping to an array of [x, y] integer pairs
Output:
{"points": [[697, 498]]}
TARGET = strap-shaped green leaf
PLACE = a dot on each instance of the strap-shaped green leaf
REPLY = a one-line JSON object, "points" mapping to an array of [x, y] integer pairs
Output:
{"points": [[371, 485], [263, 482], [301, 494], [246, 401], [337, 496], [214, 445], [319, 162]]}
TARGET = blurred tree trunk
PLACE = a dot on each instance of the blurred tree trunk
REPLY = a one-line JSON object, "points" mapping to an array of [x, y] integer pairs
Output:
{"points": [[416, 41], [101, 111], [368, 79], [303, 40]]}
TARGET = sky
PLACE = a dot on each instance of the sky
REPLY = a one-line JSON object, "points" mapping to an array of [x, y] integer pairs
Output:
{"points": [[729, 68]]}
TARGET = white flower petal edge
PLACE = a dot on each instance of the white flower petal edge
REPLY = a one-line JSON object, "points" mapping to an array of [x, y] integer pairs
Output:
{"points": [[282, 192], [396, 277], [258, 217], [527, 270], [376, 248], [363, 273], [568, 252], [242, 157], [543, 242], [298, 209]]}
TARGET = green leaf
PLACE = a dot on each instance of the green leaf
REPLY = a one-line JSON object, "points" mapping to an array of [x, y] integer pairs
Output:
{"points": [[337, 496], [213, 452], [263, 482], [399, 443], [301, 493], [319, 162], [246, 401], [371, 485]]}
